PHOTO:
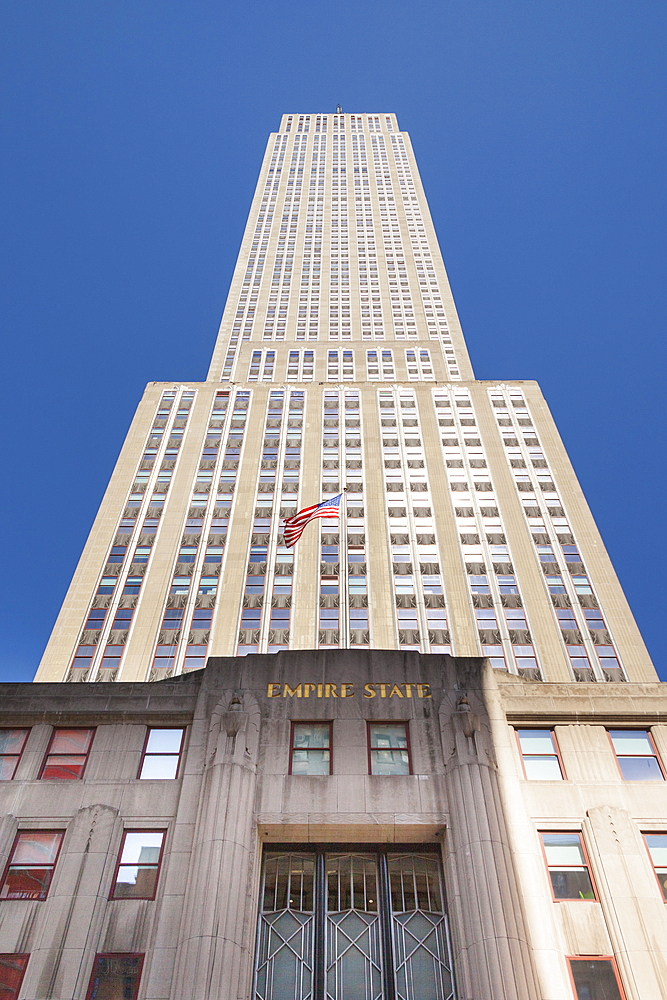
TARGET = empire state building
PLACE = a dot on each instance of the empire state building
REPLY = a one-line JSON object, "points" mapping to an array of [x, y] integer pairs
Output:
{"points": [[340, 364], [421, 754]]}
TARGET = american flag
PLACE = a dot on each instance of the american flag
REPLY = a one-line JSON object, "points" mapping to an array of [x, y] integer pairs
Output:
{"points": [[294, 525]]}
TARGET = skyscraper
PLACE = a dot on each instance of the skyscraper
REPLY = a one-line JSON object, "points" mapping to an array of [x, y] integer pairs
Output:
{"points": [[437, 789], [340, 364]]}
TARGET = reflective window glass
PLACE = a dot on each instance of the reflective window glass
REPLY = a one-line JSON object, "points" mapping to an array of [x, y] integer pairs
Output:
{"points": [[568, 866], [388, 748], [540, 755], [657, 847], [311, 748], [137, 874], [162, 754], [595, 979], [636, 755]]}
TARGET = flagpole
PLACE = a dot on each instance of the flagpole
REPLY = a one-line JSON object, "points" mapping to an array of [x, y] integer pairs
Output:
{"points": [[343, 599]]}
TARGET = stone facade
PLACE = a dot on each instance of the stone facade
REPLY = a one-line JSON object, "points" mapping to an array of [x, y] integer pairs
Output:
{"points": [[235, 798]]}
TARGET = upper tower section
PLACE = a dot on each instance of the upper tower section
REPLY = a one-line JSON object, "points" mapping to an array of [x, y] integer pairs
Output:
{"points": [[339, 249]]}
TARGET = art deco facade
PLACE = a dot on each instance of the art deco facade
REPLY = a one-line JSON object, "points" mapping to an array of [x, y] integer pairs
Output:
{"points": [[340, 363], [450, 780]]}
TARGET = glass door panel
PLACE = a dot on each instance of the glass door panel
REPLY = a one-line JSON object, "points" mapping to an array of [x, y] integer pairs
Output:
{"points": [[422, 956], [353, 948], [286, 924], [353, 925]]}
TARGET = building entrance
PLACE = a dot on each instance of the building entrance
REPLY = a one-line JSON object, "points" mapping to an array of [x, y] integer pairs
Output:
{"points": [[365, 924]]}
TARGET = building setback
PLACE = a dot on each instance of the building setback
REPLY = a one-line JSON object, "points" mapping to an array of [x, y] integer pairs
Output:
{"points": [[437, 787]]}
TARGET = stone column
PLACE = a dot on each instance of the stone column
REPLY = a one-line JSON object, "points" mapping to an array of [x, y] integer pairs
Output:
{"points": [[630, 899], [214, 950], [491, 952], [69, 926]]}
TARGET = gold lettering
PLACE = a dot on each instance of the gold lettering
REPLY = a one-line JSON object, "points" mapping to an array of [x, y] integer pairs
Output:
{"points": [[424, 691], [288, 691], [383, 690], [330, 690], [307, 688], [369, 690], [408, 689], [319, 690], [347, 690], [274, 690], [396, 689]]}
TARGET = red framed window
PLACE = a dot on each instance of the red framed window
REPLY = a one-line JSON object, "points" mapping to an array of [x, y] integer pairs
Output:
{"points": [[83, 657], [310, 749], [389, 748], [112, 657], [567, 862], [115, 975], [31, 863], [138, 865], [95, 619], [164, 657], [162, 753], [595, 977], [67, 754], [12, 743], [540, 755], [636, 755], [173, 618], [12, 971], [195, 658], [656, 844]]}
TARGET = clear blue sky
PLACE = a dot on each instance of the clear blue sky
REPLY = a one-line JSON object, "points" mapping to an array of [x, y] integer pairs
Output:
{"points": [[132, 138]]}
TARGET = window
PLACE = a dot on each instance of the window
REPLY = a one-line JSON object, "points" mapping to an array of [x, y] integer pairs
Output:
{"points": [[162, 753], [311, 748], [516, 618], [201, 619], [164, 657], [138, 864], [568, 866], [657, 848], [122, 619], [595, 979], [507, 585], [594, 618], [95, 619], [112, 657], [12, 742], [115, 976], [636, 755], [539, 752], [30, 868], [486, 618], [250, 618], [12, 971], [67, 754], [83, 657], [388, 748], [173, 619], [312, 901], [566, 618], [195, 658]]}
